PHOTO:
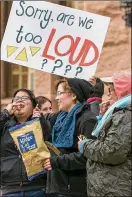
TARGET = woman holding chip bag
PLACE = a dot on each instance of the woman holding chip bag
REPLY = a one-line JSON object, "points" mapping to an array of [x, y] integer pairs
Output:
{"points": [[67, 172], [14, 177]]}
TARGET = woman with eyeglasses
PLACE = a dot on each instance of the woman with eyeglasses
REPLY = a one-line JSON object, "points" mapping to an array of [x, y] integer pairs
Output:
{"points": [[109, 157], [14, 181], [66, 175]]}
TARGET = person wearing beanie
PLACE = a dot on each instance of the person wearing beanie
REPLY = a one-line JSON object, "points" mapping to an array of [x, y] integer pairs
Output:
{"points": [[14, 181], [67, 171], [98, 91], [109, 156], [81, 88]]}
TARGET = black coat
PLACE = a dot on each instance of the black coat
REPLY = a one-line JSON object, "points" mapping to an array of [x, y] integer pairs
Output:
{"points": [[98, 91], [68, 174], [95, 107], [13, 172]]}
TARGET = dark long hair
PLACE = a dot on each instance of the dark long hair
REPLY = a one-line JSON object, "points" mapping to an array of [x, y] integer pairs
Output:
{"points": [[30, 94]]}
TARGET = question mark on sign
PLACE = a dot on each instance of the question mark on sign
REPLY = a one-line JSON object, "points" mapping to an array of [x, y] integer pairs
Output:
{"points": [[58, 66], [79, 70], [44, 62], [68, 67]]}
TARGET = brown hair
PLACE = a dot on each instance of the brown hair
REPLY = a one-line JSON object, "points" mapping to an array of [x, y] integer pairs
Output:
{"points": [[64, 83], [41, 100]]}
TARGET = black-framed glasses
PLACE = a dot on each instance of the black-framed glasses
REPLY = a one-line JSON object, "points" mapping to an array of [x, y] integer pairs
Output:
{"points": [[60, 93], [22, 98], [110, 89]]}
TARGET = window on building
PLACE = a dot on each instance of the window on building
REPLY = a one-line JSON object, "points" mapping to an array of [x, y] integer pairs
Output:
{"points": [[31, 74], [19, 77]]}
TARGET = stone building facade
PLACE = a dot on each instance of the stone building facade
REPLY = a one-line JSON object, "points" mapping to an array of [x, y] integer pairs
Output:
{"points": [[116, 53]]}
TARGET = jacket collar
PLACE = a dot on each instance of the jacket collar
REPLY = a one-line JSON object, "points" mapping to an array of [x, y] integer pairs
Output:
{"points": [[13, 121], [85, 106]]}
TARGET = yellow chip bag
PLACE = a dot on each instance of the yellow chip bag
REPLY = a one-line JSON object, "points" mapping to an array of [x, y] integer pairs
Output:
{"points": [[29, 139]]}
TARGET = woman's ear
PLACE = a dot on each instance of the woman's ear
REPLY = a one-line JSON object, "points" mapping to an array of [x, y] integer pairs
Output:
{"points": [[74, 97]]}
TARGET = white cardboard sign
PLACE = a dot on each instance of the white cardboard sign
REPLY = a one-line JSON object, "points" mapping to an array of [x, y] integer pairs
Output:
{"points": [[54, 38]]}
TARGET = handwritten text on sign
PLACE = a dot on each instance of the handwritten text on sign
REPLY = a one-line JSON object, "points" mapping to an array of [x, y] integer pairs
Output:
{"points": [[54, 38]]}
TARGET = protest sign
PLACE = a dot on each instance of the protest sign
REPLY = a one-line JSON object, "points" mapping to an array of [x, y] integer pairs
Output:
{"points": [[54, 38]]}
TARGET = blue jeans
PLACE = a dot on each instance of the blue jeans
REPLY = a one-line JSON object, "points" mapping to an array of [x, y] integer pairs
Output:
{"points": [[33, 193]]}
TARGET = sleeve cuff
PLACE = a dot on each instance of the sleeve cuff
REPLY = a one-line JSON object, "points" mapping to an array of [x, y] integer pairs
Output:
{"points": [[53, 162], [99, 118], [82, 145], [6, 113]]}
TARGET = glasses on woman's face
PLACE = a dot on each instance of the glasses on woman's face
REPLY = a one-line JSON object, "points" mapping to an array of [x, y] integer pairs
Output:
{"points": [[22, 98], [110, 90], [60, 93]]}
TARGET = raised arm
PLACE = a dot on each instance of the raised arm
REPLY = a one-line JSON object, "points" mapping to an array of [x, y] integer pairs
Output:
{"points": [[5, 116]]}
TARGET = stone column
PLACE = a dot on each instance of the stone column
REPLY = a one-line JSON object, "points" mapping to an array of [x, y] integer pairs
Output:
{"points": [[3, 13]]}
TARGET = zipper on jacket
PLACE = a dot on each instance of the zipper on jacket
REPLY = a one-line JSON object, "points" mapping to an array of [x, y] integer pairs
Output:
{"points": [[20, 158], [68, 186]]}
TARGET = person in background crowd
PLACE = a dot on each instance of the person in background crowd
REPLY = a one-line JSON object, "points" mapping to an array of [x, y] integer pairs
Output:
{"points": [[44, 104], [98, 92], [109, 157], [14, 181], [67, 172]]}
